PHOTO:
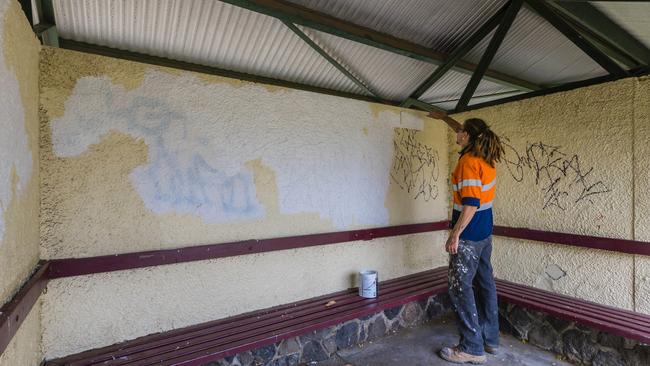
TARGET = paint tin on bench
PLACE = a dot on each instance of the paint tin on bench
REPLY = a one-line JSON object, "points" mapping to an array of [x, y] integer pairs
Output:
{"points": [[368, 284]]}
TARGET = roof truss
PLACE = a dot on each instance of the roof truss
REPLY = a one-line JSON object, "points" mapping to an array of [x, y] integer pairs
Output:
{"points": [[509, 16], [296, 14], [592, 31], [459, 53]]}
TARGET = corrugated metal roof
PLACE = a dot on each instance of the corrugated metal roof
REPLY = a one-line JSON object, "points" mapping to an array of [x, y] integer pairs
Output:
{"points": [[204, 32], [212, 33], [439, 24], [534, 50], [391, 75], [632, 16], [450, 105], [451, 86]]}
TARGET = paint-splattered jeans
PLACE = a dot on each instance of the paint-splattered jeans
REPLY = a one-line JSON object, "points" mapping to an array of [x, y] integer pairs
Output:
{"points": [[474, 296]]}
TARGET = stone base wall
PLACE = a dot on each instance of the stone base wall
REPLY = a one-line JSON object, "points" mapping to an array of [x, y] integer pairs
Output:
{"points": [[574, 342], [322, 344]]}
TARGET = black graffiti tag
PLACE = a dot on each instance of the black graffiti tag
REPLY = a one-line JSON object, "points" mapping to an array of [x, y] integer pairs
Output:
{"points": [[560, 176], [416, 167]]}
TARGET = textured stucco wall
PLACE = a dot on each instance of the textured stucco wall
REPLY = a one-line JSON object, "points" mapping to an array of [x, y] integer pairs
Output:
{"points": [[25, 347], [91, 311], [570, 167], [19, 191], [642, 190], [136, 158], [19, 201]]}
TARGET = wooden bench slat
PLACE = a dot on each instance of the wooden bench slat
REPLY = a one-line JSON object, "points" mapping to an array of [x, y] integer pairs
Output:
{"points": [[280, 316], [576, 309], [638, 324], [206, 355], [566, 297], [198, 344], [623, 331], [330, 313], [118, 350], [542, 295], [545, 292]]}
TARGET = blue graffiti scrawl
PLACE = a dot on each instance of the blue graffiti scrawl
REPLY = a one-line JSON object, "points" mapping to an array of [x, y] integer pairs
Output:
{"points": [[202, 135], [184, 175]]}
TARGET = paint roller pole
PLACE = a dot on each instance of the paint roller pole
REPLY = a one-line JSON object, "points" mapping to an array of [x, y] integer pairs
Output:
{"points": [[452, 123]]}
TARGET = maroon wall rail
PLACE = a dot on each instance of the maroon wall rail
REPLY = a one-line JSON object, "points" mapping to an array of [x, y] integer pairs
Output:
{"points": [[15, 311], [108, 263], [81, 266], [616, 245]]}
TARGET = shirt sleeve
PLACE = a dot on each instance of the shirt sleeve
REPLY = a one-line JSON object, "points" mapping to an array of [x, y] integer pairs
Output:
{"points": [[469, 184]]}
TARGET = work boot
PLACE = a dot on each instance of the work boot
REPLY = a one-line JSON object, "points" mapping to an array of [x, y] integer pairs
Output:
{"points": [[493, 350], [455, 355]]}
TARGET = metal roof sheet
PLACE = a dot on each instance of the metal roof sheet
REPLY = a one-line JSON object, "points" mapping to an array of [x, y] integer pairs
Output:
{"points": [[451, 86], [439, 24], [213, 33], [209, 33], [390, 75], [534, 50], [632, 16]]}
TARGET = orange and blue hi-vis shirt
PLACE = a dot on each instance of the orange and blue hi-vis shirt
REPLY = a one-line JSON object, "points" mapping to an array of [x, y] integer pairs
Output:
{"points": [[474, 184]]}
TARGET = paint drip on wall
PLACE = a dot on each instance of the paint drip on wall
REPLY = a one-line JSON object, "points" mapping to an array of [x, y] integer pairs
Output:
{"points": [[15, 156], [201, 135]]}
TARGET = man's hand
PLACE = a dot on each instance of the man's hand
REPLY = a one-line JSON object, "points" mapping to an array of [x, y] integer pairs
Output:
{"points": [[437, 114], [452, 244]]}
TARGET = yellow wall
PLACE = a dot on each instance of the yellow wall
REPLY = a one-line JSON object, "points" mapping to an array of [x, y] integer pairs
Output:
{"points": [[574, 164], [137, 157], [19, 177], [642, 191], [25, 346], [310, 163]]}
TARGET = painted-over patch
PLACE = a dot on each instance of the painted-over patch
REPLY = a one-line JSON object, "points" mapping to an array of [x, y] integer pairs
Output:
{"points": [[201, 135], [15, 156]]}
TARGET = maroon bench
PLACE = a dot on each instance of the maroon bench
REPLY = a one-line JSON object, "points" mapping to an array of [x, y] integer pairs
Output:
{"points": [[613, 320], [200, 344]]}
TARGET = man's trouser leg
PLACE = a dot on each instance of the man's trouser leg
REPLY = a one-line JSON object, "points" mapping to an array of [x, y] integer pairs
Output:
{"points": [[486, 299], [462, 268]]}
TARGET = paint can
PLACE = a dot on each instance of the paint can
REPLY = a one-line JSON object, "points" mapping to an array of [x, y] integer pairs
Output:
{"points": [[368, 284]]}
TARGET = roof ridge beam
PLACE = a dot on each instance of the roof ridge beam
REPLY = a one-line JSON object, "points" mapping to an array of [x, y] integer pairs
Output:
{"points": [[300, 15], [490, 52]]}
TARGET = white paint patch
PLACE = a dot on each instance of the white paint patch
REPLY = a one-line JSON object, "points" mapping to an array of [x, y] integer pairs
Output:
{"points": [[554, 272], [411, 121], [14, 151], [201, 135]]}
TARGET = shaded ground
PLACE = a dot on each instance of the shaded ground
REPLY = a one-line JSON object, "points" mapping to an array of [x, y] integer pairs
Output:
{"points": [[419, 347]]}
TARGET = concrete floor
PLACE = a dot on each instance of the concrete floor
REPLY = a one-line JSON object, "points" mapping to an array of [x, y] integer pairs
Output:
{"points": [[419, 347]]}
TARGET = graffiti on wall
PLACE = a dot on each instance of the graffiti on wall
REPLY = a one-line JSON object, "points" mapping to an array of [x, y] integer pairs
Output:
{"points": [[198, 149], [561, 176], [184, 173], [416, 166]]}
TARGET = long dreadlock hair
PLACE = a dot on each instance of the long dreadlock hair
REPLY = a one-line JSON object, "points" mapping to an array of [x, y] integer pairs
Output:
{"points": [[483, 142]]}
